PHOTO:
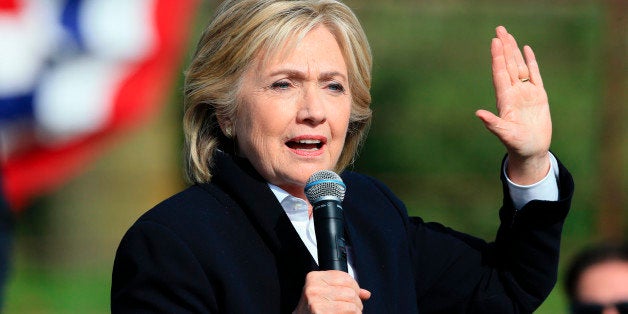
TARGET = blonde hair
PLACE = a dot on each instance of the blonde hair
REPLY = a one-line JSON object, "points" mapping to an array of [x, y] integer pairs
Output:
{"points": [[230, 44]]}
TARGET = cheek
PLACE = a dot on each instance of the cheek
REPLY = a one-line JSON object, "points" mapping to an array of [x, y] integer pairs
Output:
{"points": [[256, 128], [246, 130], [342, 122], [340, 129]]}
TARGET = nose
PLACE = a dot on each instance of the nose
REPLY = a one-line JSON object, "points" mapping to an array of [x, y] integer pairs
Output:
{"points": [[311, 106]]}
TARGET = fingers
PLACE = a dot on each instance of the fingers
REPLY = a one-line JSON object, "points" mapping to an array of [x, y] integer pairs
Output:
{"points": [[332, 292], [335, 278], [501, 77], [515, 64], [533, 66]]}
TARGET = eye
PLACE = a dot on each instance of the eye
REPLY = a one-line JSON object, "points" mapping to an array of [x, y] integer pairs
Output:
{"points": [[336, 87], [280, 85]]}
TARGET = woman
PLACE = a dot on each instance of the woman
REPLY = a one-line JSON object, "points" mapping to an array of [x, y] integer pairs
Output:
{"points": [[280, 89]]}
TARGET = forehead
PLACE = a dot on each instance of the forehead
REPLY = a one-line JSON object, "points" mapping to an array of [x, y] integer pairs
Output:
{"points": [[604, 282], [319, 43]]}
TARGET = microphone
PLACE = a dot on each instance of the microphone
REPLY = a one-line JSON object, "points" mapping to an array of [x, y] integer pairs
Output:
{"points": [[325, 191]]}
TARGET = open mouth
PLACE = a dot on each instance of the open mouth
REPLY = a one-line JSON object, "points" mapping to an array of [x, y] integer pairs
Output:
{"points": [[305, 144]]}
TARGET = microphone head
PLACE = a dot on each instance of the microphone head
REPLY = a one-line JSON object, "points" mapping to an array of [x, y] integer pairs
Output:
{"points": [[324, 185]]}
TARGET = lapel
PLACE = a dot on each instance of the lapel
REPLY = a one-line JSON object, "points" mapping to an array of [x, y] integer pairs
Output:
{"points": [[370, 274], [250, 191], [367, 249]]}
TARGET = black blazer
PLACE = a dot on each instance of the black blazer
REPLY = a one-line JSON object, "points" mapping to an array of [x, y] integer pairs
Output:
{"points": [[228, 247]]}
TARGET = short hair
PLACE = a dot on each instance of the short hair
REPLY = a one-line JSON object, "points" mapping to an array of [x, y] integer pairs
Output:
{"points": [[591, 256], [228, 47]]}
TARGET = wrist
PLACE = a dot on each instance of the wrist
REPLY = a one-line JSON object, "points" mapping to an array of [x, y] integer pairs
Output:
{"points": [[528, 170]]}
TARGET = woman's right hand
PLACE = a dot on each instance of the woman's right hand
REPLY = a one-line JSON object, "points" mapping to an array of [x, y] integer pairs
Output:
{"points": [[331, 291]]}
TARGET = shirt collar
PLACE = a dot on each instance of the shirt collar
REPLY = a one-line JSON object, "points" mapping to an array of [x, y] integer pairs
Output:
{"points": [[296, 208]]}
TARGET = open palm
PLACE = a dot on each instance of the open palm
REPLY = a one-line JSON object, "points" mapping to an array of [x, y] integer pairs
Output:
{"points": [[523, 123]]}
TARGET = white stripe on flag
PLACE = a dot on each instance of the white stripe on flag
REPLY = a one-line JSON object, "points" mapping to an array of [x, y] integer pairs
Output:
{"points": [[118, 29], [77, 97]]}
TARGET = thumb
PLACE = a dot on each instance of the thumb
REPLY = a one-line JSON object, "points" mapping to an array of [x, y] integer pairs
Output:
{"points": [[491, 121], [364, 294]]}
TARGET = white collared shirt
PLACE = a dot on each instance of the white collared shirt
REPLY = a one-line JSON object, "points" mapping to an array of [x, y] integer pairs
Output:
{"points": [[297, 211], [544, 190]]}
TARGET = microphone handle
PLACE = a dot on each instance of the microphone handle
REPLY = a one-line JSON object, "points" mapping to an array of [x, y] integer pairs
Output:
{"points": [[330, 236]]}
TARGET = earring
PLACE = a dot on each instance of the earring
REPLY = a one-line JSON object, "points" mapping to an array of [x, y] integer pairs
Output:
{"points": [[228, 132]]}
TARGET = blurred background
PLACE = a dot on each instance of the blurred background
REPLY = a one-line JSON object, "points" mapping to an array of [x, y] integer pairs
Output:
{"points": [[431, 72]]}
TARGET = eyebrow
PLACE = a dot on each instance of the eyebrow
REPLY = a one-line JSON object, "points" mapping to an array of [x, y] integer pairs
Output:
{"points": [[324, 76]]}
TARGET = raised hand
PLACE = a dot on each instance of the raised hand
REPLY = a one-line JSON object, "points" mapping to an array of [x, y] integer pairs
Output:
{"points": [[523, 123]]}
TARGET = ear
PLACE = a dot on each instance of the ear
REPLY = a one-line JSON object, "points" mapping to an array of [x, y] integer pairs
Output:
{"points": [[226, 126]]}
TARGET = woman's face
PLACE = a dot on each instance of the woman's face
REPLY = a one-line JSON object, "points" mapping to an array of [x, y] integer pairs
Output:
{"points": [[294, 111]]}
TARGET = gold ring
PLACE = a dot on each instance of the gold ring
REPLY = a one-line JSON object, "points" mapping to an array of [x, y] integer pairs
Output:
{"points": [[523, 80]]}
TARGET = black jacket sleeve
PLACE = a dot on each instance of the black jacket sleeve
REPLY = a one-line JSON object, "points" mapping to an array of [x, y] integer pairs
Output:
{"points": [[148, 281], [457, 273]]}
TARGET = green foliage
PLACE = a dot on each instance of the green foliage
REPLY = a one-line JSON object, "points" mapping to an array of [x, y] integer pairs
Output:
{"points": [[432, 71], [58, 290]]}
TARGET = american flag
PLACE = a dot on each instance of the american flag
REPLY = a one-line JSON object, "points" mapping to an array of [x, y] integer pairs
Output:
{"points": [[74, 76]]}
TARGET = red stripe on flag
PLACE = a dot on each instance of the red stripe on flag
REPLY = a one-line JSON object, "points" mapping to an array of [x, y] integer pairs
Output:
{"points": [[138, 96], [10, 6], [43, 169]]}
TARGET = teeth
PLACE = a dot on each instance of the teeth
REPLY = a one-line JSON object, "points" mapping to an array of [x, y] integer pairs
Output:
{"points": [[309, 142]]}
